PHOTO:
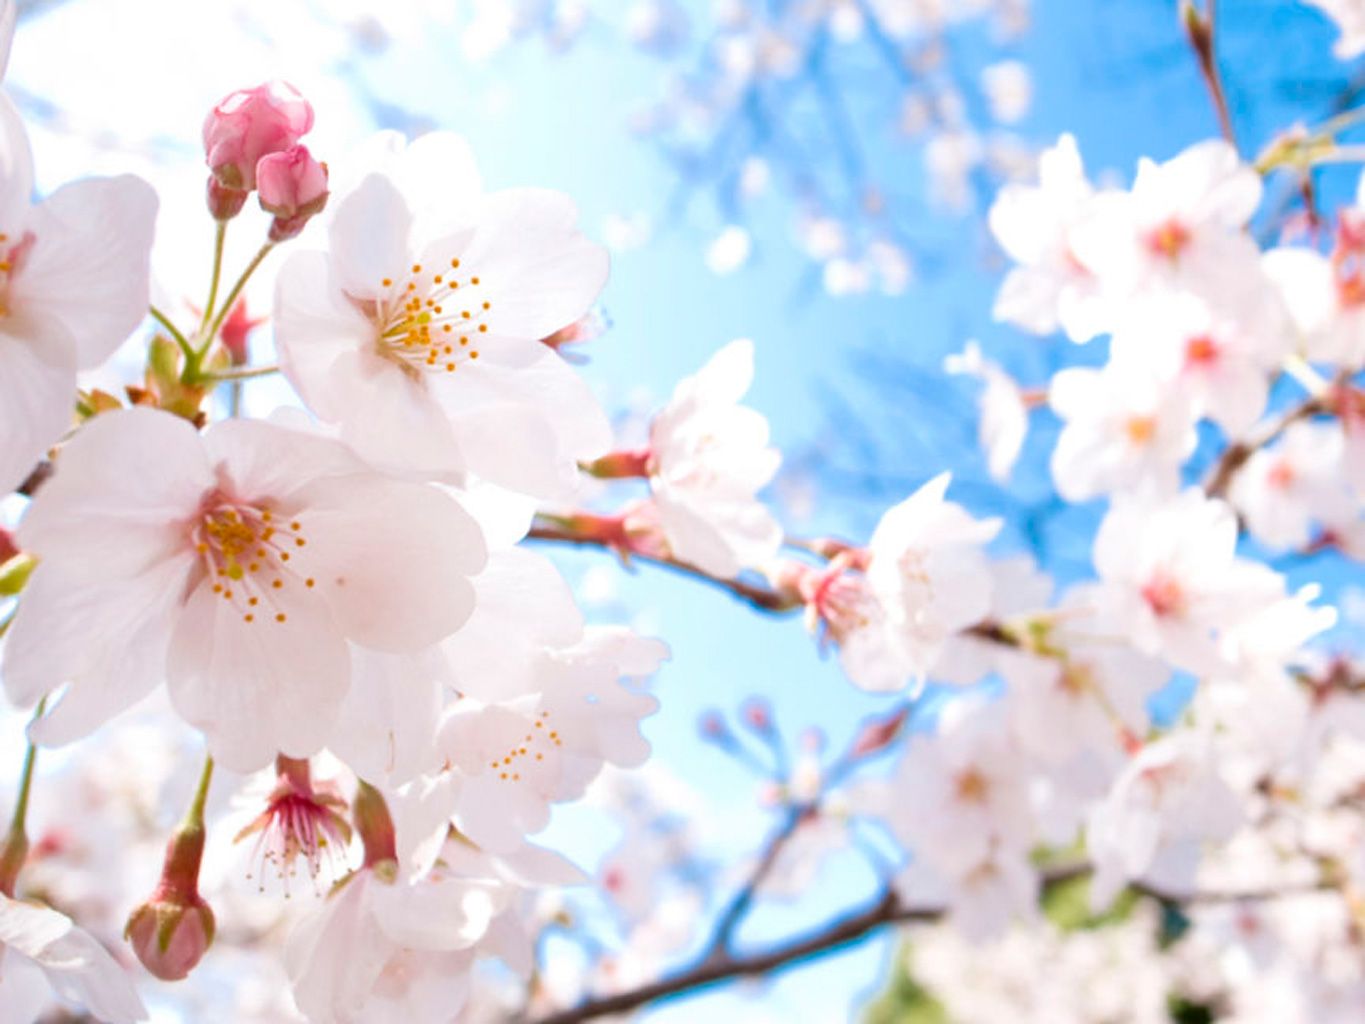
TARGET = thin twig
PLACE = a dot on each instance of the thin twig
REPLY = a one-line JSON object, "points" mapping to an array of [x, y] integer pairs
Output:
{"points": [[767, 599]]}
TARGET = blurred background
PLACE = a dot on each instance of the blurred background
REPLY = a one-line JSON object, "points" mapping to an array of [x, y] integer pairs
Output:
{"points": [[812, 174]]}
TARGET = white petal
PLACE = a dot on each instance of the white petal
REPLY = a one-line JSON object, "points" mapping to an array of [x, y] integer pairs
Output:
{"points": [[90, 266], [37, 395], [262, 687], [392, 559]]}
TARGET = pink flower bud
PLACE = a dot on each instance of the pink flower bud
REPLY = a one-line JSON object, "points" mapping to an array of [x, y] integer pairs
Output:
{"points": [[292, 186], [758, 715], [236, 331], [170, 936], [250, 124]]}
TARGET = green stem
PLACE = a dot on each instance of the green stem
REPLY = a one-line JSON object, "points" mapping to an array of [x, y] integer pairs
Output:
{"points": [[239, 374], [174, 331], [194, 817], [231, 299], [219, 235], [16, 825]]}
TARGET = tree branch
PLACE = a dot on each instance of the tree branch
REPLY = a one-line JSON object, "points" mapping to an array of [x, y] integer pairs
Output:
{"points": [[839, 934], [764, 598], [1235, 455]]}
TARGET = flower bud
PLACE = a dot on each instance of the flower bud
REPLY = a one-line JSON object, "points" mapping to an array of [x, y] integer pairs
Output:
{"points": [[170, 937], [292, 186], [249, 124], [171, 931]]}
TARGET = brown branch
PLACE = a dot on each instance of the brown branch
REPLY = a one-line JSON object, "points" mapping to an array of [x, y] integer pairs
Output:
{"points": [[733, 915], [767, 599], [841, 933], [1199, 30], [1235, 455]]}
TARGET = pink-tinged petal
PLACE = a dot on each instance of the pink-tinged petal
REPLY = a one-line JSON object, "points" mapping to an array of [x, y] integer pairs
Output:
{"points": [[522, 606], [331, 955], [24, 990], [371, 237], [392, 559], [391, 419], [16, 165], [549, 398], [77, 967], [107, 640], [387, 728], [89, 268], [260, 460], [262, 687], [537, 270], [9, 14], [122, 485], [447, 915], [37, 393], [314, 326]]}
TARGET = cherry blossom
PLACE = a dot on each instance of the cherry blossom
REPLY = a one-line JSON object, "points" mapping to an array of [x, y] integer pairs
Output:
{"points": [[418, 331], [1051, 287], [1125, 431], [1181, 225], [1171, 579], [708, 457], [71, 962], [237, 567], [74, 281]]}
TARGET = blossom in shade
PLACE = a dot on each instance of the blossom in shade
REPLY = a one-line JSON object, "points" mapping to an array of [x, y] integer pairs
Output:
{"points": [[68, 961], [239, 566]]}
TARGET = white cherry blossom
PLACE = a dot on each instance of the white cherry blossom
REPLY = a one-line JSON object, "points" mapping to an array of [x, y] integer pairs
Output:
{"points": [[68, 959], [1171, 580], [1182, 224], [74, 282], [1125, 431], [238, 566], [419, 331], [1051, 287], [708, 458]]}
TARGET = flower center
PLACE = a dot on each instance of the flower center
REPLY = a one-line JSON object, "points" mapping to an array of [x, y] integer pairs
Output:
{"points": [[1169, 239], [526, 754], [430, 321], [246, 551], [1164, 595], [302, 819], [971, 787], [1140, 429], [12, 257], [1201, 351]]}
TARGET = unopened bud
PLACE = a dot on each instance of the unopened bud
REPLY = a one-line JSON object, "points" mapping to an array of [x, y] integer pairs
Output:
{"points": [[225, 203], [8, 547], [170, 938], [293, 186], [173, 929], [249, 124]]}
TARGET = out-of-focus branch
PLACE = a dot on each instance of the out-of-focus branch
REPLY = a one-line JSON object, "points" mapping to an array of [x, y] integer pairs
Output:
{"points": [[764, 598], [738, 907], [1199, 30], [1235, 456], [839, 934]]}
